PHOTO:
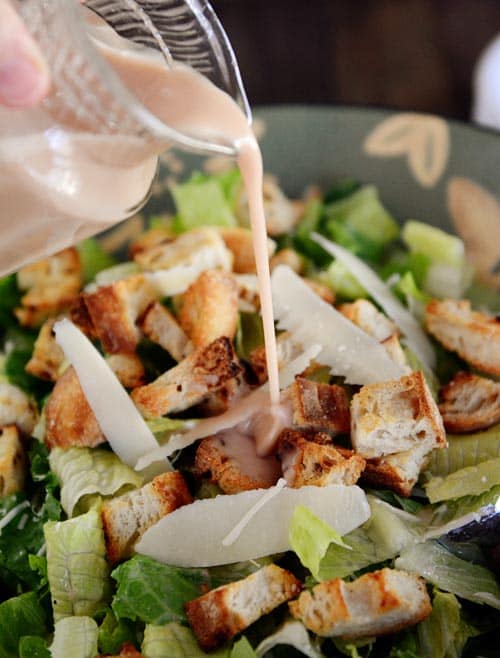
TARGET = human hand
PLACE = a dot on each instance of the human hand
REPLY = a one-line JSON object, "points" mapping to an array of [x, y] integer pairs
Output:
{"points": [[24, 75]]}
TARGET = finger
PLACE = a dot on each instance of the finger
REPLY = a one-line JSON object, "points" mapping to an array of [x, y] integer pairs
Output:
{"points": [[24, 76]]}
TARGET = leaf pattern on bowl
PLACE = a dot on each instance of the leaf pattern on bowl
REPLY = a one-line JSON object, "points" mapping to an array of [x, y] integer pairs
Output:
{"points": [[423, 139], [475, 213]]}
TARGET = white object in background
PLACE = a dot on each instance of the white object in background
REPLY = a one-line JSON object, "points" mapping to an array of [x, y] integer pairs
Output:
{"points": [[486, 90]]}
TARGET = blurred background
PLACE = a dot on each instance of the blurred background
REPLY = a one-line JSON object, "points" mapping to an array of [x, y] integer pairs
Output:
{"points": [[405, 54]]}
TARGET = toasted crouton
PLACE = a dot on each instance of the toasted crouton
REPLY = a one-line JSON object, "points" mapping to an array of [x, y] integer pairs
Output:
{"points": [[128, 368], [320, 407], [47, 358], [367, 317], [16, 408], [305, 462], [114, 310], [377, 603], [12, 461], [473, 335], [470, 403], [79, 315], [51, 286], [395, 351], [126, 651], [149, 239], [210, 308], [126, 518], [281, 213], [247, 286], [239, 241], [288, 257], [218, 615], [70, 422], [160, 326], [231, 461], [395, 416], [287, 350], [205, 370], [220, 400], [197, 250], [399, 471]]}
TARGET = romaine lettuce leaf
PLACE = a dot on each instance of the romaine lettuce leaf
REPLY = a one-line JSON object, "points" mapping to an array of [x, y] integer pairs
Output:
{"points": [[84, 471], [310, 538], [93, 258], [19, 615], [250, 334], [450, 573], [174, 641], [470, 481], [202, 201], [292, 634], [31, 646], [310, 222], [154, 592], [20, 348], [460, 507], [75, 637], [242, 649], [77, 569], [444, 633], [10, 297], [342, 282], [464, 450], [114, 632], [382, 537]]}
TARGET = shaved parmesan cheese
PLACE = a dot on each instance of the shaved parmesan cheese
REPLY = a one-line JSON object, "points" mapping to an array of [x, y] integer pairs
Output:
{"points": [[118, 418], [193, 534], [230, 538], [239, 413], [411, 329], [347, 349]]}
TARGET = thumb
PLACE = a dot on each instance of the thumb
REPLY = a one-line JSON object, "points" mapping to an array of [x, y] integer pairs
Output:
{"points": [[24, 76]]}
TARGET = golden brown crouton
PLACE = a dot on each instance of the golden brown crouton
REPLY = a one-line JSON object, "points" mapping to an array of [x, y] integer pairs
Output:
{"points": [[199, 249], [231, 461], [126, 651], [79, 315], [239, 241], [210, 308], [114, 310], [326, 293], [149, 239], [51, 286], [220, 400], [473, 335], [366, 316], [377, 603], [288, 257], [395, 351], [306, 462], [281, 213], [16, 408], [128, 368], [160, 326], [395, 416], [287, 350], [399, 471], [12, 461], [47, 357], [320, 407], [247, 287], [70, 422], [470, 403], [218, 615], [126, 518], [205, 370]]}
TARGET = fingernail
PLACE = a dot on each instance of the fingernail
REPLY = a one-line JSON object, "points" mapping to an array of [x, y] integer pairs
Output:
{"points": [[24, 80]]}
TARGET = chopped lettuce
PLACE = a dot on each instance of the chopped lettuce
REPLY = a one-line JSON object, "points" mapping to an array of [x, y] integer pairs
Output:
{"points": [[250, 334], [19, 344], [360, 223], [86, 471], [31, 646], [310, 538], [414, 298], [242, 649], [342, 282], [464, 450], [310, 222], [458, 508], [10, 297], [436, 564], [75, 637], [174, 641], [114, 632], [469, 481], [17, 615], [291, 634], [77, 569], [444, 633], [205, 201], [93, 258], [382, 537], [154, 592]]}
